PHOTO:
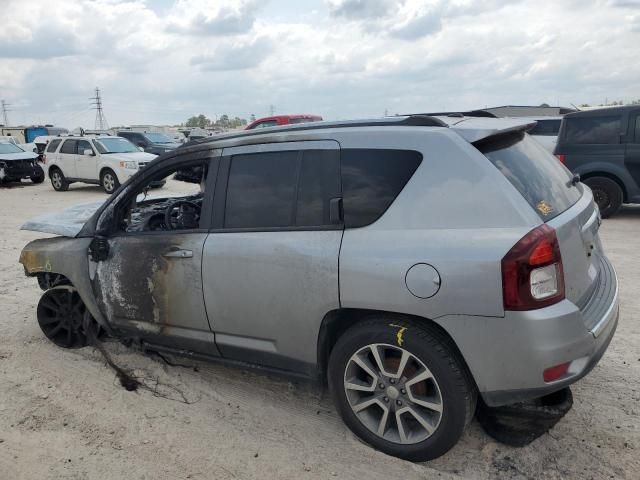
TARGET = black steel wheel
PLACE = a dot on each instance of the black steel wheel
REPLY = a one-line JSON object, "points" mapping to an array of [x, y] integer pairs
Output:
{"points": [[61, 314], [607, 194]]}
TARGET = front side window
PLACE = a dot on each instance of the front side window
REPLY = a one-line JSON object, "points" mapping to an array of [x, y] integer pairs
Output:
{"points": [[182, 210], [82, 146], [371, 181], [593, 130], [281, 189], [53, 145], [69, 146]]}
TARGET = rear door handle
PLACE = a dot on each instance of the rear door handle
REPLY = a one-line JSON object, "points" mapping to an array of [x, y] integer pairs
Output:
{"points": [[179, 254]]}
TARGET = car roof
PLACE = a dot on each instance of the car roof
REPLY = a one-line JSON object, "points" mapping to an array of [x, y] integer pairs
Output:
{"points": [[471, 129], [286, 117], [602, 112]]}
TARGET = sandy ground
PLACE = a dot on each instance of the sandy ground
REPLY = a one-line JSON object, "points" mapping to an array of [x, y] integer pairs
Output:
{"points": [[63, 416]]}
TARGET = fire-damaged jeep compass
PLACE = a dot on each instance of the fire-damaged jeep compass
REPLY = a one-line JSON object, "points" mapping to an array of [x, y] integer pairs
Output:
{"points": [[413, 263]]}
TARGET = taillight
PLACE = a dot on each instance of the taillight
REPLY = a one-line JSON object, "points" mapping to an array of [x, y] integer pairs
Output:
{"points": [[562, 157], [554, 373], [532, 275]]}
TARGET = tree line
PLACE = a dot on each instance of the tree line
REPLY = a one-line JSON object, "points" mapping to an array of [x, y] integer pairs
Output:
{"points": [[202, 121]]}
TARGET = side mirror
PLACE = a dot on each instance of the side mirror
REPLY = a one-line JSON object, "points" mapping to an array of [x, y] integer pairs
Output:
{"points": [[87, 151], [140, 148]]}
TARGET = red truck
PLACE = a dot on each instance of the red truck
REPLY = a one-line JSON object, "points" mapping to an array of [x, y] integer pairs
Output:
{"points": [[282, 120]]}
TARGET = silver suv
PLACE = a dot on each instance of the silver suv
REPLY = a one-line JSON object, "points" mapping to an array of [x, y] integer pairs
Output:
{"points": [[411, 263]]}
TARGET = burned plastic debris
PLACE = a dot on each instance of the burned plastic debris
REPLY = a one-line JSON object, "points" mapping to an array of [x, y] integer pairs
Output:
{"points": [[521, 423]]}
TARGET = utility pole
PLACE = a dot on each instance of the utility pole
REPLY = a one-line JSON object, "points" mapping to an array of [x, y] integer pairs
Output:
{"points": [[5, 110], [101, 120], [272, 110]]}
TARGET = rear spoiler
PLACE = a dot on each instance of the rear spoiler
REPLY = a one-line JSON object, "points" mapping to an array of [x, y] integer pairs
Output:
{"points": [[476, 129]]}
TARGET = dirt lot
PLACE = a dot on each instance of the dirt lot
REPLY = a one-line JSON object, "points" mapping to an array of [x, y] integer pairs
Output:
{"points": [[62, 415]]}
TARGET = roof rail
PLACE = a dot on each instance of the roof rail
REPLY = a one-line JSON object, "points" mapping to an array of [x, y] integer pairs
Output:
{"points": [[396, 121]]}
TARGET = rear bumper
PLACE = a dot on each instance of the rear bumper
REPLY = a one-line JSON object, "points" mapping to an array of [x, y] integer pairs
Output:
{"points": [[507, 356], [558, 337]]}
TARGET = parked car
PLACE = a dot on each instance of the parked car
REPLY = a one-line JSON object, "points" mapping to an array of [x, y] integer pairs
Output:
{"points": [[603, 147], [16, 164], [545, 131], [102, 160], [410, 264], [150, 142], [278, 120]]}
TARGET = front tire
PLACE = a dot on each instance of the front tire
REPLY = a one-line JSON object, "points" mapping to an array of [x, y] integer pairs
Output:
{"points": [[109, 181], [58, 181], [607, 194], [401, 387], [39, 178]]}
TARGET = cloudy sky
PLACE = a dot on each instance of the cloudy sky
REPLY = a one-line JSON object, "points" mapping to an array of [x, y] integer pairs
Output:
{"points": [[161, 61]]}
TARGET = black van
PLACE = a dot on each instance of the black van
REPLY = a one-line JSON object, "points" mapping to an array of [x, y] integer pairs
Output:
{"points": [[603, 147]]}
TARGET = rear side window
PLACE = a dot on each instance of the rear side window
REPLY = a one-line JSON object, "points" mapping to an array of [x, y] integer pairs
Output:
{"points": [[281, 189], [537, 175], [547, 128], [371, 181], [69, 146], [593, 130], [53, 145]]}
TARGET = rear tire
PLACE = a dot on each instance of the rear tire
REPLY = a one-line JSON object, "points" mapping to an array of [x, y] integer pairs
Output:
{"points": [[607, 194], [109, 181], [58, 180], [429, 402]]}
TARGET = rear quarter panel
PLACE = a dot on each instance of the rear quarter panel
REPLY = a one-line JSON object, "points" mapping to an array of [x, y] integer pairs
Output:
{"points": [[457, 213]]}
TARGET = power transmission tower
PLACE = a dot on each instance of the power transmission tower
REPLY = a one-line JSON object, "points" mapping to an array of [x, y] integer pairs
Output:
{"points": [[5, 110], [101, 120]]}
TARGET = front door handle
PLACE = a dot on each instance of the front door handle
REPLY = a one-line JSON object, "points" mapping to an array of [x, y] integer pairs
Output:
{"points": [[179, 254]]}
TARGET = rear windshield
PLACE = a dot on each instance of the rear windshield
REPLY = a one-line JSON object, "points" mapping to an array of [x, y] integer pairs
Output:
{"points": [[541, 179], [592, 130]]}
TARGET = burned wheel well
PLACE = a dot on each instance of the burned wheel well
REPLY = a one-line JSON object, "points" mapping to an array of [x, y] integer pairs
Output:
{"points": [[47, 280], [336, 322]]}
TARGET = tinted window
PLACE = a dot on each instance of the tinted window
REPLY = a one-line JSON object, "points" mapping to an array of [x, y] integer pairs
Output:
{"points": [[53, 145], [592, 130], [319, 182], [261, 190], [69, 146], [546, 128], [372, 179], [269, 123], [536, 174], [82, 146]]}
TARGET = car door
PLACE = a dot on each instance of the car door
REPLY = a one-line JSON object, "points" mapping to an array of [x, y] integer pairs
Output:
{"points": [[270, 264], [632, 153], [86, 165], [148, 282], [67, 158]]}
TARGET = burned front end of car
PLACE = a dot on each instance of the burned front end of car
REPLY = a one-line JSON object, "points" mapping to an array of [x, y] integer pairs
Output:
{"points": [[16, 170]]}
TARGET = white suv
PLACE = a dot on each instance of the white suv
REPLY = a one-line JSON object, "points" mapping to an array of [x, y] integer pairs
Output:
{"points": [[102, 159]]}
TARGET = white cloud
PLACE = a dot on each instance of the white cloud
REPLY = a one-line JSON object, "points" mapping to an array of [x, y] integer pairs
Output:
{"points": [[162, 61]]}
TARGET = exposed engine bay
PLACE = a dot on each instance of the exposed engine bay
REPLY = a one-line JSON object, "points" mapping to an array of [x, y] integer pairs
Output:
{"points": [[179, 213]]}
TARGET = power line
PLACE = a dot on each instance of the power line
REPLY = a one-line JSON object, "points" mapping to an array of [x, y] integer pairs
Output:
{"points": [[5, 110], [101, 120]]}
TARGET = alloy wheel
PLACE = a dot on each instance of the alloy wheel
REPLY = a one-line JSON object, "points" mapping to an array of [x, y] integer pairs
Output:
{"points": [[56, 179], [108, 182], [393, 393], [61, 314]]}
